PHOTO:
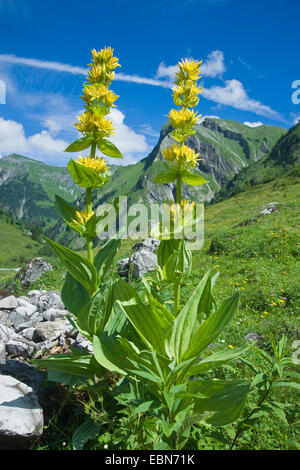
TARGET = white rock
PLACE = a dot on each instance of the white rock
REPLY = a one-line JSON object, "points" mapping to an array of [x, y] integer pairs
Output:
{"points": [[9, 303], [18, 348], [21, 417], [26, 307], [2, 352]]}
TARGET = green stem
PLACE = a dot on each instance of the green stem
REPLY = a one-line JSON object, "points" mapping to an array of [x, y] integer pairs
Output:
{"points": [[89, 208], [178, 191], [177, 284], [90, 248]]}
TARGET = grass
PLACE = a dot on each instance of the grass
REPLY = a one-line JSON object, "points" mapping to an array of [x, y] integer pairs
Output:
{"points": [[262, 262]]}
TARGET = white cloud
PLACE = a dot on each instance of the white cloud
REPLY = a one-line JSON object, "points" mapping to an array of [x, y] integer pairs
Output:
{"points": [[214, 65], [132, 145], [41, 145], [253, 124], [233, 94]]}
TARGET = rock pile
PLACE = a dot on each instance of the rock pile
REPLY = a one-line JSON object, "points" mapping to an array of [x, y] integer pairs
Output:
{"points": [[34, 324]]}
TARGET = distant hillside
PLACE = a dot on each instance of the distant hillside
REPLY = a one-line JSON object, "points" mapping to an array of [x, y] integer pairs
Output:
{"points": [[283, 159], [28, 187]]}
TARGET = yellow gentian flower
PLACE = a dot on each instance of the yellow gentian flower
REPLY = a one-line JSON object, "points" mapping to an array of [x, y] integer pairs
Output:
{"points": [[95, 163]]}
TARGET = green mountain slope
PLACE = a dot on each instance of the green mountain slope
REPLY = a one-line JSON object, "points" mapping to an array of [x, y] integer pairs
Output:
{"points": [[283, 159], [28, 187]]}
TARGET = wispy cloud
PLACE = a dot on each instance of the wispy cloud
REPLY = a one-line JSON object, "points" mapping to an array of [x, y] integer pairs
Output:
{"points": [[76, 70], [234, 94]]}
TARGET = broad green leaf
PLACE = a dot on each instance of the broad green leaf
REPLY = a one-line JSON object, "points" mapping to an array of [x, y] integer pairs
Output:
{"points": [[212, 327], [94, 315], [108, 148], [163, 316], [78, 266], [86, 177], [109, 353], [165, 249], [79, 144], [74, 295], [144, 321], [179, 265], [68, 213], [192, 179], [165, 177], [142, 408], [216, 360], [187, 323], [226, 399], [78, 364], [87, 430], [105, 256]]}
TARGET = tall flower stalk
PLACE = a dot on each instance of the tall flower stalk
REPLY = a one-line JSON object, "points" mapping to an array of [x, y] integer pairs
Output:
{"points": [[181, 159], [91, 171]]}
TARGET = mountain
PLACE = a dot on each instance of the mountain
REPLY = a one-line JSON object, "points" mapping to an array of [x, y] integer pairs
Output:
{"points": [[284, 159], [28, 188]]}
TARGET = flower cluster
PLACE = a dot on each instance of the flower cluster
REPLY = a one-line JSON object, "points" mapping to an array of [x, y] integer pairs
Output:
{"points": [[97, 96], [95, 163], [82, 217], [181, 156], [183, 120]]}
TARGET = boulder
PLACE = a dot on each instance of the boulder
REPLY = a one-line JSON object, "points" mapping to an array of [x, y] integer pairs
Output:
{"points": [[21, 417], [9, 303], [32, 271], [49, 330], [142, 261]]}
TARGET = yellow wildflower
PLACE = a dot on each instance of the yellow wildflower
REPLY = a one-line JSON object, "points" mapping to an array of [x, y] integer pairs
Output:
{"points": [[95, 163], [281, 301], [188, 70], [185, 94], [183, 120], [90, 122], [82, 217], [99, 92], [105, 56], [230, 346], [181, 156]]}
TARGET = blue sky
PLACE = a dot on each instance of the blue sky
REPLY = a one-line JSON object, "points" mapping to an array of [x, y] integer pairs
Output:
{"points": [[250, 51]]}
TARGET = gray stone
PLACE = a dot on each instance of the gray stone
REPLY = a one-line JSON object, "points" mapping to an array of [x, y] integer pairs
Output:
{"points": [[55, 301], [28, 333], [49, 330], [150, 244], [18, 349], [9, 303], [142, 262], [32, 271], [82, 343], [21, 417], [2, 352], [6, 333], [52, 313], [25, 307]]}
